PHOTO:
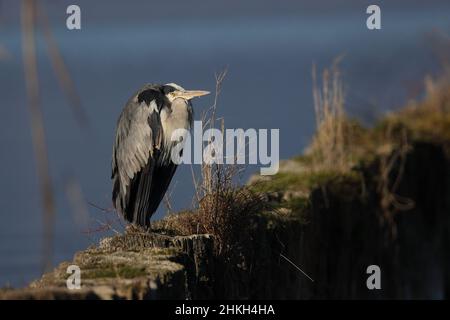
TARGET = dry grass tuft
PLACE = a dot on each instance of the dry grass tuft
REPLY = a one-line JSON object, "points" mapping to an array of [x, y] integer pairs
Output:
{"points": [[332, 140], [438, 93], [225, 213], [427, 119]]}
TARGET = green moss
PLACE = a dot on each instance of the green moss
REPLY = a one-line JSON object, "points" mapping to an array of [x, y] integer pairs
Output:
{"points": [[171, 251], [131, 272], [305, 159], [420, 124], [99, 273], [110, 271], [298, 205], [298, 181]]}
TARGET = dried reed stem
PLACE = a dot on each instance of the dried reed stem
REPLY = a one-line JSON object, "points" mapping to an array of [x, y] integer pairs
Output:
{"points": [[329, 145], [28, 15]]}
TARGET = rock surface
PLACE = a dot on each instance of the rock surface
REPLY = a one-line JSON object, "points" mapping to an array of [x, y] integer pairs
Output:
{"points": [[317, 242], [130, 266]]}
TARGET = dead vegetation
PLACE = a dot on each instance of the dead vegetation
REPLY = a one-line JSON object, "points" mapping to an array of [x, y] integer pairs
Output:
{"points": [[32, 15], [28, 20], [340, 142], [222, 208], [332, 139], [391, 166], [427, 119], [342, 147]]}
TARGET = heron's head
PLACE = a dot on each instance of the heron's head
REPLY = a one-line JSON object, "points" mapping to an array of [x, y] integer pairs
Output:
{"points": [[173, 91]]}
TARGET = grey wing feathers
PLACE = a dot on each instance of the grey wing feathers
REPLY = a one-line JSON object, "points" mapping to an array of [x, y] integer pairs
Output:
{"points": [[147, 190], [133, 145], [133, 157], [140, 174]]}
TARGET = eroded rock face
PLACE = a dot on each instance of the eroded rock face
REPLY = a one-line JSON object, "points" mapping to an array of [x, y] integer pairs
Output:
{"points": [[130, 266], [332, 232]]}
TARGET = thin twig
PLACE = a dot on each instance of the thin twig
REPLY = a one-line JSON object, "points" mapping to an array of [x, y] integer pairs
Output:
{"points": [[286, 258], [61, 70], [28, 15]]}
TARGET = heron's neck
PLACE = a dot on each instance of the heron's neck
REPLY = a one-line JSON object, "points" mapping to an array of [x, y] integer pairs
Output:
{"points": [[176, 117], [179, 116]]}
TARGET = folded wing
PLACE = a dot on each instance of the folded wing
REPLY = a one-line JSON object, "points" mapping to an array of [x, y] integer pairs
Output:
{"points": [[140, 177]]}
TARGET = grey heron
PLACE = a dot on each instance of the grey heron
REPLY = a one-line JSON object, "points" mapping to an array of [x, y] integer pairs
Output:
{"points": [[142, 167]]}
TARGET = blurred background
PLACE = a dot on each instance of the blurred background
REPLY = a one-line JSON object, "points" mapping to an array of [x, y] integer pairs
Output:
{"points": [[86, 76]]}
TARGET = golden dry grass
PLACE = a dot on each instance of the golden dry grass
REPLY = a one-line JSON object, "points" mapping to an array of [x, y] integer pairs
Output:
{"points": [[333, 142]]}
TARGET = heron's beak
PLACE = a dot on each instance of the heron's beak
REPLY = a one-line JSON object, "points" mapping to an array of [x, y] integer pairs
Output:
{"points": [[190, 94]]}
